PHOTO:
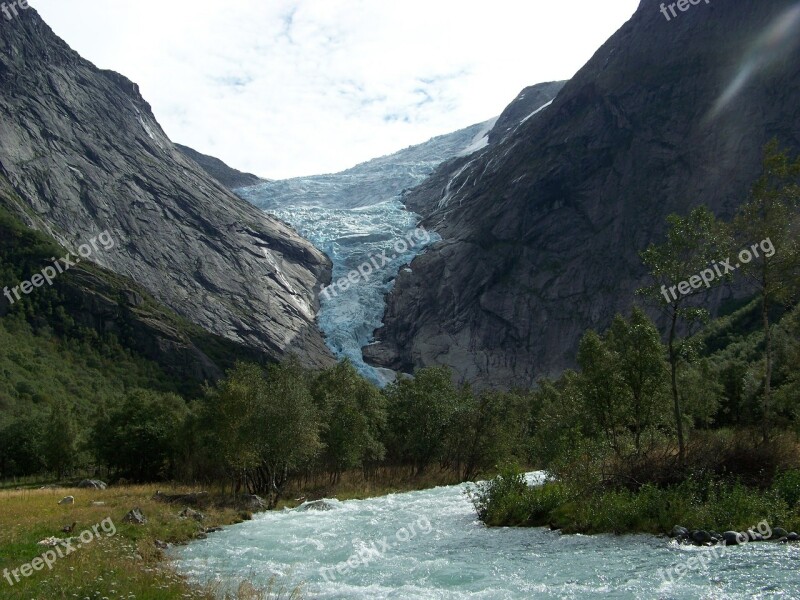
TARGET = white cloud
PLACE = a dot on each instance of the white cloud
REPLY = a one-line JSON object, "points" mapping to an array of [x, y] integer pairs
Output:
{"points": [[299, 87]]}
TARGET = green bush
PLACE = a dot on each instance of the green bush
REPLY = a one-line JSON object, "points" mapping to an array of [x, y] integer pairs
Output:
{"points": [[787, 486], [507, 500]]}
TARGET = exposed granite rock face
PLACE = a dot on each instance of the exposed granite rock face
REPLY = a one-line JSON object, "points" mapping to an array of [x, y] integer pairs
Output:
{"points": [[525, 106], [542, 231], [227, 176], [83, 150]]}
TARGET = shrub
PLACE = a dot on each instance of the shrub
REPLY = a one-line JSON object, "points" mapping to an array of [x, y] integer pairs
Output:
{"points": [[787, 486]]}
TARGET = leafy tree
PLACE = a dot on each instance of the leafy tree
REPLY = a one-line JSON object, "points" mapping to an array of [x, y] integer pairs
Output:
{"points": [[701, 390], [769, 221], [140, 438], [265, 426], [353, 415], [623, 380], [638, 359], [287, 427], [227, 430], [788, 396], [693, 244], [60, 443], [491, 430], [601, 391], [21, 447], [559, 421], [421, 411]]}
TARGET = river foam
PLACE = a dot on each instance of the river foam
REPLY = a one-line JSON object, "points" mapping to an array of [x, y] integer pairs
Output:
{"points": [[456, 557]]}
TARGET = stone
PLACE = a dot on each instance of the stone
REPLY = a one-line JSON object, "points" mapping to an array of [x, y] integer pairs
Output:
{"points": [[193, 498], [320, 505], [731, 538], [253, 502], [67, 500], [701, 537], [94, 484], [135, 516], [678, 532], [189, 513], [779, 532]]}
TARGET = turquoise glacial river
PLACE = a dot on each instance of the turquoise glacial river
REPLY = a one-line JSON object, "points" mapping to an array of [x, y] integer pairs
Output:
{"points": [[429, 545]]}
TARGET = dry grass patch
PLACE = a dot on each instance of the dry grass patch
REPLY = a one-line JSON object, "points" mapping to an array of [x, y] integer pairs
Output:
{"points": [[126, 564]]}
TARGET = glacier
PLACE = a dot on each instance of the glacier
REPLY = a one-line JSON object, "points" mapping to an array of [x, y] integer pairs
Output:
{"points": [[354, 216]]}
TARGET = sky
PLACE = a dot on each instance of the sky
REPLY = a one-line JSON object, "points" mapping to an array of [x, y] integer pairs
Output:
{"points": [[285, 88]]}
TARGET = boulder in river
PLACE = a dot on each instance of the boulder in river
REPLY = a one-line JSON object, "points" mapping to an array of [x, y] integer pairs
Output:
{"points": [[778, 533], [734, 538], [679, 532], [701, 536], [321, 505]]}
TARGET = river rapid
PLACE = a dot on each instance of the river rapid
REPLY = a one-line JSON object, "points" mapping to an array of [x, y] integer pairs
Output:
{"points": [[429, 545]]}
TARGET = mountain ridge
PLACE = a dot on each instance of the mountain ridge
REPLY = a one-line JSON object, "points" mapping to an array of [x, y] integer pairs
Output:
{"points": [[228, 176], [541, 233]]}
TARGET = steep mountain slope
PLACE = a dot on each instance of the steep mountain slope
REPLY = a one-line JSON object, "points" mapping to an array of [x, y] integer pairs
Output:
{"points": [[542, 231], [525, 106], [83, 150], [356, 217], [227, 176], [89, 298]]}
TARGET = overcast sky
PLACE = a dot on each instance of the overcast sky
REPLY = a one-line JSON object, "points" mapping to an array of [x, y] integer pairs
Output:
{"points": [[299, 87]]}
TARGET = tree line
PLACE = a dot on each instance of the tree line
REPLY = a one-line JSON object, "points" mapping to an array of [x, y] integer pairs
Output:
{"points": [[653, 384], [260, 427]]}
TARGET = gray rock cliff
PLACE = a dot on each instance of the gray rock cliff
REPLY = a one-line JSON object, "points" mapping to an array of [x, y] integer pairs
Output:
{"points": [[83, 150], [542, 231]]}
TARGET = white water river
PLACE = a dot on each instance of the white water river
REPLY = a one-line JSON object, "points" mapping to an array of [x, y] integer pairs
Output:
{"points": [[429, 545]]}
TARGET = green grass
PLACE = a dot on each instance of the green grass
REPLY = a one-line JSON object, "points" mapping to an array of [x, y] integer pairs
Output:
{"points": [[506, 501], [126, 565]]}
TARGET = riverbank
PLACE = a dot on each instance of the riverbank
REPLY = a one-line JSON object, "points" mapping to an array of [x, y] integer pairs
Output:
{"points": [[124, 561], [428, 544], [127, 560], [695, 505]]}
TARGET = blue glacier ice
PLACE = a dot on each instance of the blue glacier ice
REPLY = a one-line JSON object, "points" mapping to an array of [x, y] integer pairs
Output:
{"points": [[355, 216]]}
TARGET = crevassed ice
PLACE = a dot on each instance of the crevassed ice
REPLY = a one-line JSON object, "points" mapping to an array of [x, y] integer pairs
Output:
{"points": [[354, 216]]}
